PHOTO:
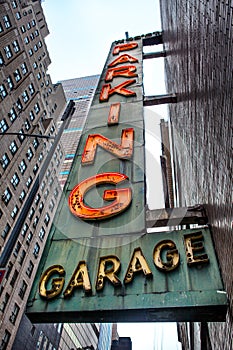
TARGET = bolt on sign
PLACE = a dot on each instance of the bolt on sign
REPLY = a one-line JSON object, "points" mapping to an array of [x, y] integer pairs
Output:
{"points": [[99, 264]]}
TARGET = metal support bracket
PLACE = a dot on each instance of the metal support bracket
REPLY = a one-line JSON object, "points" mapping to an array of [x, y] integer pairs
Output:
{"points": [[176, 216], [159, 99]]}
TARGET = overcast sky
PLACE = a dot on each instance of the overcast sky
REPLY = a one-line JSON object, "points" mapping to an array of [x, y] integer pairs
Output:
{"points": [[81, 33]]}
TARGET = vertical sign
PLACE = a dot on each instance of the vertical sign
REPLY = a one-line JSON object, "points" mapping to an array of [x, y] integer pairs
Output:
{"points": [[99, 264]]}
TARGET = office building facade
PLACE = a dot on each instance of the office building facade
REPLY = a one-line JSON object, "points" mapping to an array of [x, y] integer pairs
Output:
{"points": [[29, 163], [81, 91], [197, 38]]}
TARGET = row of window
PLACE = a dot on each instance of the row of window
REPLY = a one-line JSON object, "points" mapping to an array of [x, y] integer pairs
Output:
{"points": [[25, 95], [13, 115], [29, 26], [8, 51], [5, 23]]}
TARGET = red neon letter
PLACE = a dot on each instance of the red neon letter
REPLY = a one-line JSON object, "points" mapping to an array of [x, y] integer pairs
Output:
{"points": [[124, 47], [119, 89], [123, 71], [121, 197], [124, 150], [123, 59]]}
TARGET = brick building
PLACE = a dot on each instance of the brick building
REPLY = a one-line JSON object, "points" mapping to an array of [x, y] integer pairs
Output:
{"points": [[29, 164], [197, 37]]}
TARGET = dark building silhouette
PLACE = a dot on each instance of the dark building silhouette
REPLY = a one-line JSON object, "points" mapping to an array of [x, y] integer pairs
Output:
{"points": [[123, 343]]}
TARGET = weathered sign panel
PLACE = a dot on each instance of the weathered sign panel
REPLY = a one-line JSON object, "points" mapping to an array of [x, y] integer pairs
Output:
{"points": [[100, 264], [166, 276]]}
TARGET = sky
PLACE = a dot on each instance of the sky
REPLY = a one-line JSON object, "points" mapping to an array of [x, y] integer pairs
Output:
{"points": [[81, 33]]}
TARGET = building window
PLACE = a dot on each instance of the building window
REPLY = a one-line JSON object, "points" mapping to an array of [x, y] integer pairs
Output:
{"points": [[37, 108], [31, 213], [13, 147], [12, 115], [41, 206], [17, 249], [6, 22], [29, 238], [51, 180], [41, 156], [35, 143], [37, 199], [10, 83], [22, 196], [1, 28], [39, 44], [35, 169], [35, 222], [8, 52], [14, 4], [42, 233], [15, 180], [22, 166], [3, 125], [32, 36], [18, 15], [33, 22], [31, 116], [6, 197], [46, 219], [5, 340], [29, 154], [14, 313], [55, 193], [27, 124], [1, 59], [22, 257], [36, 32], [36, 250], [42, 186], [4, 302], [51, 205], [31, 89], [14, 212], [35, 65], [30, 269], [14, 278], [15, 45], [5, 231], [9, 269], [35, 48], [5, 161], [46, 193], [17, 75], [19, 105], [23, 29], [21, 137], [29, 182], [23, 289], [30, 52], [3, 92], [24, 229], [25, 96], [24, 68], [26, 40]]}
